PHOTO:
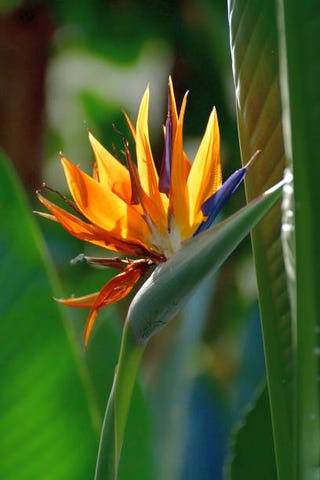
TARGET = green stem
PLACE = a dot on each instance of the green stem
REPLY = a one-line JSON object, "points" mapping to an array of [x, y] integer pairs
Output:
{"points": [[106, 465], [116, 414]]}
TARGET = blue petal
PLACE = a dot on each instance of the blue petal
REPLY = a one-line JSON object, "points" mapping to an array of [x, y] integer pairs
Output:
{"points": [[214, 204]]}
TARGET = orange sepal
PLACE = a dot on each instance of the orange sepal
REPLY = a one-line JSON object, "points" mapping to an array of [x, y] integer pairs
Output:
{"points": [[205, 176], [93, 200], [111, 173], [148, 176], [179, 202], [89, 232]]}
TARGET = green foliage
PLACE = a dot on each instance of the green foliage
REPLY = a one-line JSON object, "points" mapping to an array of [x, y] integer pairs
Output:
{"points": [[38, 365], [255, 431], [290, 338], [299, 24], [254, 47], [53, 393]]}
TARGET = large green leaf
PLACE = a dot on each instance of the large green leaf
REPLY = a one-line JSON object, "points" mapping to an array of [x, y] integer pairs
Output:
{"points": [[254, 47], [156, 304], [45, 427], [300, 60], [261, 464]]}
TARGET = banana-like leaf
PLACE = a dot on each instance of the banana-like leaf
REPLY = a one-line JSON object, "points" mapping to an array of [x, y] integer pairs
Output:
{"points": [[300, 59], [254, 47], [262, 464], [158, 301], [46, 430], [289, 243]]}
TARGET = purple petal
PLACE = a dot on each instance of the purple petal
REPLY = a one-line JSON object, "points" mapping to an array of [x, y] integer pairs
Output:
{"points": [[214, 204]]}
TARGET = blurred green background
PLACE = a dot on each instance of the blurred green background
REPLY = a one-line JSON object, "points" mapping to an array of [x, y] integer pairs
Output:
{"points": [[66, 67]]}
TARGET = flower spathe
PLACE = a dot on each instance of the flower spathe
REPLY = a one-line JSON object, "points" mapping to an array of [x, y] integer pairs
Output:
{"points": [[134, 211]]}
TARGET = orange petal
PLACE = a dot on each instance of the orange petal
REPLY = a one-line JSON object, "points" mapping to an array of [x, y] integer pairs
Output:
{"points": [[88, 232], [112, 174], [105, 209], [151, 212], [205, 176], [147, 172], [116, 289], [175, 119], [179, 203]]}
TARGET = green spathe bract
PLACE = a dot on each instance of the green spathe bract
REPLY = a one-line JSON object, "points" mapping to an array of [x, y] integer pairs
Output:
{"points": [[172, 283]]}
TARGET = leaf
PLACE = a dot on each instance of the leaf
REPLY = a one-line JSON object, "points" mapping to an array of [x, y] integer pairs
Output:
{"points": [[254, 436], [157, 302], [289, 241], [300, 61], [254, 46], [45, 425]]}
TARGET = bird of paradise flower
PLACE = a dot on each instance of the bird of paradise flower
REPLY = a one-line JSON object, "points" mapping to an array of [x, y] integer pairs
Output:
{"points": [[137, 212]]}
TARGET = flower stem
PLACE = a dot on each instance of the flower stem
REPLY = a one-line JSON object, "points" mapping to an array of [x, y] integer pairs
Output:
{"points": [[116, 414]]}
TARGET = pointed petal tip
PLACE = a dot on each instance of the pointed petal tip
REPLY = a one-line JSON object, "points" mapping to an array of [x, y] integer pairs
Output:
{"points": [[213, 118], [89, 326], [64, 160], [39, 195], [45, 215], [63, 301], [92, 139], [62, 157], [252, 159]]}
